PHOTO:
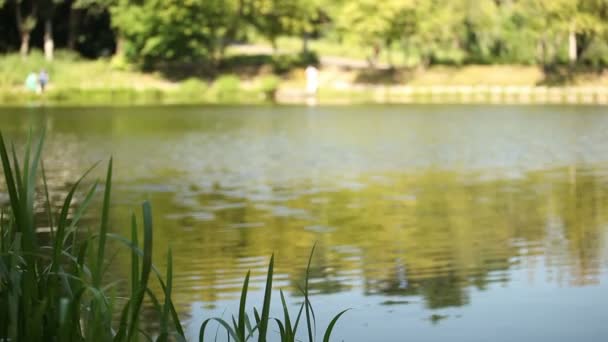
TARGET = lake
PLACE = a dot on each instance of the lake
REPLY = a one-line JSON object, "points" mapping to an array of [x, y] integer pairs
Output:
{"points": [[432, 223]]}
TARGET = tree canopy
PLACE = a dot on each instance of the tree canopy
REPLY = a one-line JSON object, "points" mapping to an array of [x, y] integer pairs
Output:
{"points": [[147, 32]]}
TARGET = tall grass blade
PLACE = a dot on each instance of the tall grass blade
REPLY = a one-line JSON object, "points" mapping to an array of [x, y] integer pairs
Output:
{"points": [[29, 183], [105, 213], [331, 325], [308, 307], [24, 187], [235, 325], [266, 307], [134, 267], [295, 325], [146, 268], [165, 317], [18, 173], [10, 184], [250, 328], [139, 252], [123, 323], [48, 209], [290, 331], [241, 323], [62, 223], [231, 333], [72, 230], [281, 329], [256, 315], [176, 322], [33, 172]]}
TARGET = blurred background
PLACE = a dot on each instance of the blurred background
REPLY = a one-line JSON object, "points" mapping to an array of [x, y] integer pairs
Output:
{"points": [[116, 50]]}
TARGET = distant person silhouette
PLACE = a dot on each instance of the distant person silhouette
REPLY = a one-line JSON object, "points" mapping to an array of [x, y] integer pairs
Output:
{"points": [[31, 82], [43, 79]]}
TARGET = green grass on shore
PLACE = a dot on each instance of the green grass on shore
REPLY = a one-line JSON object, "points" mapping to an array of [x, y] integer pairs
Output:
{"points": [[74, 80], [68, 70], [247, 78]]}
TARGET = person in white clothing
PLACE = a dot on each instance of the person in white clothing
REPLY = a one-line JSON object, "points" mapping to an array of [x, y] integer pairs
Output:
{"points": [[312, 80]]}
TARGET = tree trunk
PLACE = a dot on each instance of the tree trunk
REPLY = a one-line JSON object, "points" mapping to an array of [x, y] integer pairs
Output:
{"points": [[120, 44], [25, 35], [25, 44], [304, 43], [25, 25], [275, 48], [542, 51], [572, 49], [389, 55], [73, 27], [49, 45]]}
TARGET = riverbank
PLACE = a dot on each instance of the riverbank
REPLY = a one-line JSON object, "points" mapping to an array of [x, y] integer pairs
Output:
{"points": [[262, 78]]}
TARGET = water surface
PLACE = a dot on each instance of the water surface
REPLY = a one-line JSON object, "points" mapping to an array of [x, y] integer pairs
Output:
{"points": [[433, 223]]}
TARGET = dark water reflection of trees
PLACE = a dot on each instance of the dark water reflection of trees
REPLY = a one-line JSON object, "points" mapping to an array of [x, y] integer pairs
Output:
{"points": [[432, 234]]}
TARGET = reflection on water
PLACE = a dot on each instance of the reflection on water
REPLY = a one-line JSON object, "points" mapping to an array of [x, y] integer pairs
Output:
{"points": [[467, 223]]}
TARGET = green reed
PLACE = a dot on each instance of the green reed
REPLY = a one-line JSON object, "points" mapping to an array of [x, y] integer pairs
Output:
{"points": [[52, 287]]}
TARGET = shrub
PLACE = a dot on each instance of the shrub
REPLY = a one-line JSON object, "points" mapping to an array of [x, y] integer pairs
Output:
{"points": [[226, 88], [193, 86], [284, 63], [269, 85]]}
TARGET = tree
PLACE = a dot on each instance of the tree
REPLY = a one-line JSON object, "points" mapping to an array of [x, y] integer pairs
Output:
{"points": [[26, 15], [589, 24], [47, 10], [275, 18], [391, 20], [551, 21], [172, 30], [481, 29], [77, 9]]}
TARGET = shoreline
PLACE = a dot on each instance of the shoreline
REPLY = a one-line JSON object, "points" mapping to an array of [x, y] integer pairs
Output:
{"points": [[341, 94], [255, 82], [398, 94]]}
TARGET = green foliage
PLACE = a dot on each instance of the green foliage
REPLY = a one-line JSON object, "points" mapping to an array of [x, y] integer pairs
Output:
{"points": [[51, 283], [192, 90], [284, 63], [242, 330], [157, 31], [481, 31], [274, 18], [269, 85], [226, 88], [193, 87]]}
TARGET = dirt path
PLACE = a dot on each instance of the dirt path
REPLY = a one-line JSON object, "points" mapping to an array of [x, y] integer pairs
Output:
{"points": [[326, 61]]}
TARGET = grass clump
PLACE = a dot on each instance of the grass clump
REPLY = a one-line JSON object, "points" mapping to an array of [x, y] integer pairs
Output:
{"points": [[191, 90], [240, 329], [269, 85], [52, 284], [227, 88], [193, 86]]}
